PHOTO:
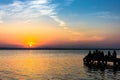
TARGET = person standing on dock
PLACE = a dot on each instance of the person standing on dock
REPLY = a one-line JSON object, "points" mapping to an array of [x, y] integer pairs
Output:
{"points": [[114, 54], [114, 57]]}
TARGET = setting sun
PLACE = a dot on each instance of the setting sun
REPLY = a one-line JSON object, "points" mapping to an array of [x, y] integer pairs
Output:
{"points": [[30, 44]]}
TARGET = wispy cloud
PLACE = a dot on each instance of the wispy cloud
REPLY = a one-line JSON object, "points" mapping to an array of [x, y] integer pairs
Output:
{"points": [[28, 10], [69, 2], [106, 15], [1, 13], [61, 23]]}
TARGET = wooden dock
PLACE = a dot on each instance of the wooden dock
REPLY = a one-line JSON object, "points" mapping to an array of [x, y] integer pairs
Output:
{"points": [[98, 59]]}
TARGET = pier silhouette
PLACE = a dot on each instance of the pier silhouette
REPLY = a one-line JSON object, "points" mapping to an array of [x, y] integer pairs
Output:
{"points": [[98, 59]]}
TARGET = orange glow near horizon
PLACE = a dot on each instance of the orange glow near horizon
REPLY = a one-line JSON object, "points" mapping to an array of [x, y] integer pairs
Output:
{"points": [[30, 44], [33, 35]]}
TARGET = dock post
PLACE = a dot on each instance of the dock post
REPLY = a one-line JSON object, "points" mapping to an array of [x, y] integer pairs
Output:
{"points": [[114, 62]]}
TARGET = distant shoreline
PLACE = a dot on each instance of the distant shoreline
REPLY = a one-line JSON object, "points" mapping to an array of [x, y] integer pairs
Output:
{"points": [[59, 48]]}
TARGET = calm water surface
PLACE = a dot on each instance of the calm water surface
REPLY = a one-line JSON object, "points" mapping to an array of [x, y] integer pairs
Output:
{"points": [[49, 65]]}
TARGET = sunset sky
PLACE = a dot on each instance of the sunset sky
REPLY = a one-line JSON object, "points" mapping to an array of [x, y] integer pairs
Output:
{"points": [[60, 23]]}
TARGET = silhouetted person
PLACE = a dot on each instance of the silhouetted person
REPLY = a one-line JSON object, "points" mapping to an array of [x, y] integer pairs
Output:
{"points": [[89, 57], [114, 57], [106, 58], [109, 54], [102, 57], [89, 54], [96, 51], [114, 54]]}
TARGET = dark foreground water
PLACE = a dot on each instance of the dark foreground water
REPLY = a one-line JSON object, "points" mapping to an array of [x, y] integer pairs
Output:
{"points": [[49, 65]]}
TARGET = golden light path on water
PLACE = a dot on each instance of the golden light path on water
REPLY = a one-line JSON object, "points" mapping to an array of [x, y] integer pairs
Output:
{"points": [[25, 65]]}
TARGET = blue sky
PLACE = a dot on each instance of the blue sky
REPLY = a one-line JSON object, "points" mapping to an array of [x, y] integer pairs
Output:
{"points": [[83, 20], [81, 7], [92, 8]]}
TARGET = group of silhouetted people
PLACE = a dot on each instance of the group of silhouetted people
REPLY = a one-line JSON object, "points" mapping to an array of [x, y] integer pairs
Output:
{"points": [[99, 57]]}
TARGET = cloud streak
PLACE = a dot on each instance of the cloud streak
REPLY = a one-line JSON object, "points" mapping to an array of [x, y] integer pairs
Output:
{"points": [[1, 13], [29, 10], [106, 15]]}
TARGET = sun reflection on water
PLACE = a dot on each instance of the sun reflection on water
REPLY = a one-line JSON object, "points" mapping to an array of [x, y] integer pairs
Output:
{"points": [[37, 66]]}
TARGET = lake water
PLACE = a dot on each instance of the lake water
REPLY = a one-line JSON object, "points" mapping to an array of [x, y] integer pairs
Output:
{"points": [[49, 65]]}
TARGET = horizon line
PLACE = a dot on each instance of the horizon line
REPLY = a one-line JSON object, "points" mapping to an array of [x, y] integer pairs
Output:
{"points": [[3, 48]]}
